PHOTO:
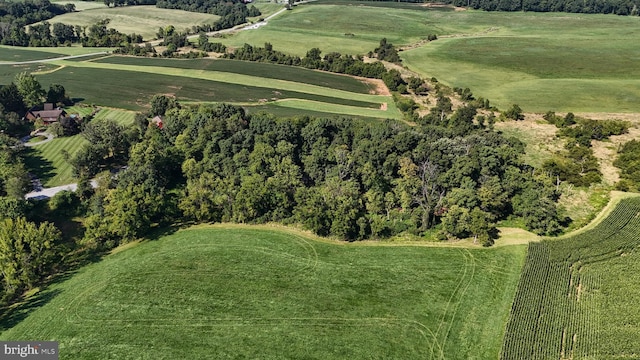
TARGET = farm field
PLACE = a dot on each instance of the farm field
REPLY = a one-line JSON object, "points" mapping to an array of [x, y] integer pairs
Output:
{"points": [[11, 53], [144, 19], [541, 61], [264, 70], [577, 297], [132, 86], [243, 291]]}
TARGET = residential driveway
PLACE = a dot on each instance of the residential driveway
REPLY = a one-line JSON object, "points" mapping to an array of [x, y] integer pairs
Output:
{"points": [[47, 193], [28, 144]]}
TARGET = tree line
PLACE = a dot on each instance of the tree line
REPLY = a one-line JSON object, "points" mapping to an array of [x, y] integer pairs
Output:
{"points": [[618, 7], [15, 15], [232, 12], [338, 177]]}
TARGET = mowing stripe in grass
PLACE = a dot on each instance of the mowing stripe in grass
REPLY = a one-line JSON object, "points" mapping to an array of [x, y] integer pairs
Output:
{"points": [[47, 162], [266, 293]]}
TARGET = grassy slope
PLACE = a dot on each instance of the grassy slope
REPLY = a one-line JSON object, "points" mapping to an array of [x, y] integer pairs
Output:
{"points": [[247, 292], [560, 62], [144, 20], [348, 29]]}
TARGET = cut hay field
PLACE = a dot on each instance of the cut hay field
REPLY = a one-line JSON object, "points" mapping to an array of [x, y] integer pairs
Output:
{"points": [[577, 296], [144, 20], [254, 292]]}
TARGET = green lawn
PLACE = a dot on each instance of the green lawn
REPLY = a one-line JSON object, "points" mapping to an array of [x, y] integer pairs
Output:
{"points": [[48, 164], [250, 292]]}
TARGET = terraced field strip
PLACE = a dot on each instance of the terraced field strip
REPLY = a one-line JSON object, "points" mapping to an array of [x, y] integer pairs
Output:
{"points": [[262, 70], [233, 79]]}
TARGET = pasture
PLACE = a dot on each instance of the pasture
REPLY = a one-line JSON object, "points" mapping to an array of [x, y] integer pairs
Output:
{"points": [[144, 19], [234, 291], [577, 297], [541, 61]]}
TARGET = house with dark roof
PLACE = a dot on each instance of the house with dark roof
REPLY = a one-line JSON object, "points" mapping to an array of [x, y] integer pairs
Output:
{"points": [[48, 115]]}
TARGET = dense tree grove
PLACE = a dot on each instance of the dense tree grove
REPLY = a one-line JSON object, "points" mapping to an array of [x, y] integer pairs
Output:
{"points": [[338, 177], [14, 15], [232, 12], [334, 62], [629, 163]]}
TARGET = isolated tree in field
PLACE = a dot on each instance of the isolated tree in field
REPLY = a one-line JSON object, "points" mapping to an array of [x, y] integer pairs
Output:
{"points": [[30, 89], [514, 113]]}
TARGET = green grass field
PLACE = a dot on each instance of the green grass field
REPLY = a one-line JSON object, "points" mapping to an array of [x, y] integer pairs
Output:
{"points": [[559, 62], [346, 27], [541, 61], [251, 292], [144, 20], [48, 164], [577, 297]]}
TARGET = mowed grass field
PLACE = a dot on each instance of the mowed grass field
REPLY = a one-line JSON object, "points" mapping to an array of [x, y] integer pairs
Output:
{"points": [[577, 297], [345, 27], [541, 61], [559, 62], [250, 292], [144, 19]]}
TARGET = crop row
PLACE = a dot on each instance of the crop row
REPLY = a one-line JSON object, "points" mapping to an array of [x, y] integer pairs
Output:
{"points": [[554, 314]]}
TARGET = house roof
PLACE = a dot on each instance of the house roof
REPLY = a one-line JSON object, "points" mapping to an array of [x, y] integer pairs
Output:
{"points": [[46, 115]]}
